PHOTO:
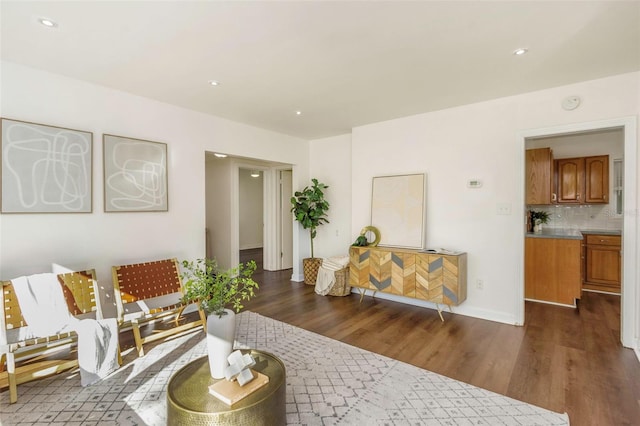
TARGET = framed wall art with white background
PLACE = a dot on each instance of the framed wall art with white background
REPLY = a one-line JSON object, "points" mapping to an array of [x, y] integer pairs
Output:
{"points": [[398, 209], [45, 169], [135, 175]]}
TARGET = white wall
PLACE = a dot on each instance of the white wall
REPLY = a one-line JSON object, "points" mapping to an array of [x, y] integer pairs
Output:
{"points": [[607, 142], [217, 209], [331, 165], [251, 210], [29, 243], [477, 141], [637, 260]]}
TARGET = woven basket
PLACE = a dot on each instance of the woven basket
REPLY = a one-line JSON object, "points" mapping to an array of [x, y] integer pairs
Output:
{"points": [[341, 286], [310, 266]]}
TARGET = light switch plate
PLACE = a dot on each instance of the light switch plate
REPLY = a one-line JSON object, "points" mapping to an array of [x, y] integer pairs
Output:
{"points": [[503, 208]]}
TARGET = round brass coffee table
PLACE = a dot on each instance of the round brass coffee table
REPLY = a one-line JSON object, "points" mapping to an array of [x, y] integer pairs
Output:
{"points": [[190, 403]]}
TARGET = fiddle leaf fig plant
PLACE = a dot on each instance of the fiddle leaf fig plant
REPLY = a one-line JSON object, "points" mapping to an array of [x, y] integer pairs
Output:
{"points": [[310, 208], [216, 289]]}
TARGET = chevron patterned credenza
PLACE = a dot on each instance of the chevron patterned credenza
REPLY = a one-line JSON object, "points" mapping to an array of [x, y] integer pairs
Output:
{"points": [[437, 278]]}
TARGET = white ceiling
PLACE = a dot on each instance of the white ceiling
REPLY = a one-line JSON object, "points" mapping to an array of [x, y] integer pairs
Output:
{"points": [[343, 64]]}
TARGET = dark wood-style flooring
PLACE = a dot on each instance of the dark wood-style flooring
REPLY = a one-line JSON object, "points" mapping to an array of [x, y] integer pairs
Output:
{"points": [[563, 359]]}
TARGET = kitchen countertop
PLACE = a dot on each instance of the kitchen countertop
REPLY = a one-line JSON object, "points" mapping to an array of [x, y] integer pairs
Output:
{"points": [[571, 234], [602, 231]]}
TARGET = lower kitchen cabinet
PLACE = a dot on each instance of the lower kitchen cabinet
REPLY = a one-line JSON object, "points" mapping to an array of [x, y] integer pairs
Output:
{"points": [[553, 270], [602, 264]]}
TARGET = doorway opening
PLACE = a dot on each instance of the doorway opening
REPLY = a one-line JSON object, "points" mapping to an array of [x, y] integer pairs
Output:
{"points": [[244, 211], [627, 129], [251, 215]]}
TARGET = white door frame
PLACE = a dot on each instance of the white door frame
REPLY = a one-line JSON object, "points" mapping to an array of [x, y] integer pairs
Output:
{"points": [[630, 303], [279, 225]]}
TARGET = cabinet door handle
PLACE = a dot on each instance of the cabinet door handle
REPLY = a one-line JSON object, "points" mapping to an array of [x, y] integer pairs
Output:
{"points": [[578, 197], [554, 197]]}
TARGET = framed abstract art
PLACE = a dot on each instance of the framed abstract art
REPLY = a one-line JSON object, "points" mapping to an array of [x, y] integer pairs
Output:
{"points": [[45, 169], [135, 175], [398, 209]]}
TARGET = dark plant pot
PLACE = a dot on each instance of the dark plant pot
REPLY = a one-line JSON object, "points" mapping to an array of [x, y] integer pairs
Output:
{"points": [[310, 267]]}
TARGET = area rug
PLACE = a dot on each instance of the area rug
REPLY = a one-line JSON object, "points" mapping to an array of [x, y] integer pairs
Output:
{"points": [[328, 383]]}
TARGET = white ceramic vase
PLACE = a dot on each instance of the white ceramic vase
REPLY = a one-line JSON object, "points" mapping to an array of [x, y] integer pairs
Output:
{"points": [[221, 332], [537, 227]]}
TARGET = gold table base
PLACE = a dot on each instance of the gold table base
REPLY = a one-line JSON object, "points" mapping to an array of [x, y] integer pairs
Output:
{"points": [[190, 403]]}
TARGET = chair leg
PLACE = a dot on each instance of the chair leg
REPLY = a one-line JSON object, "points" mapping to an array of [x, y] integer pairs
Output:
{"points": [[137, 337], [203, 318], [13, 380], [178, 317]]}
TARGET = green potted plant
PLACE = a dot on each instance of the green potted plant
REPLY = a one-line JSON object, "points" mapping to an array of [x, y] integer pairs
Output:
{"points": [[310, 209], [219, 293], [216, 289], [538, 218]]}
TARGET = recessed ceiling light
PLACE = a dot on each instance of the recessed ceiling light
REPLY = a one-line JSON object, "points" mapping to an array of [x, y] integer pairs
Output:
{"points": [[48, 22], [255, 174], [298, 112], [217, 154], [521, 51], [214, 82]]}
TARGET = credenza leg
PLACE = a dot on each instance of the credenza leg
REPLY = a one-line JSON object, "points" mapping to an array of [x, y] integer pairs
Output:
{"points": [[363, 291], [440, 312]]}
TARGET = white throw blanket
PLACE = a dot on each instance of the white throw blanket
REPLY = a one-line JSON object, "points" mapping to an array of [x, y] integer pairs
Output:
{"points": [[326, 273], [45, 310]]}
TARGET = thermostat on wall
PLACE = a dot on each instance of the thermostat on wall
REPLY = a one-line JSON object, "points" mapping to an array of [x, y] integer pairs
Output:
{"points": [[474, 183]]}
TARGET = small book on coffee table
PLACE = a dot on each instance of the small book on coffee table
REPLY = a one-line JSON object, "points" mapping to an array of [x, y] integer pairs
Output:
{"points": [[231, 392]]}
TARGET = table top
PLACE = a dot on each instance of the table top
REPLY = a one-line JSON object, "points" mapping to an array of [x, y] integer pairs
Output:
{"points": [[188, 388]]}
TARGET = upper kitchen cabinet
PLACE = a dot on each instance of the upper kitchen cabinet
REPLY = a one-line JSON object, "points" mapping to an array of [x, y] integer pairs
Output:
{"points": [[539, 174], [583, 180], [570, 180], [596, 190]]}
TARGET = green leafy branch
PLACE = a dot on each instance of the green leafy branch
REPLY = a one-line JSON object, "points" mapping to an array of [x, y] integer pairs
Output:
{"points": [[216, 289]]}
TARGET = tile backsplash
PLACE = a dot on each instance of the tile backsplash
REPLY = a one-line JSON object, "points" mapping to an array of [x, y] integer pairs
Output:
{"points": [[581, 217]]}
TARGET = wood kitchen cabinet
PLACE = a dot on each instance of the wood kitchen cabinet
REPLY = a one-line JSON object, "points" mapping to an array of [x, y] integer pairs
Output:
{"points": [[602, 263], [569, 174], [582, 180], [552, 270], [596, 178], [539, 176]]}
